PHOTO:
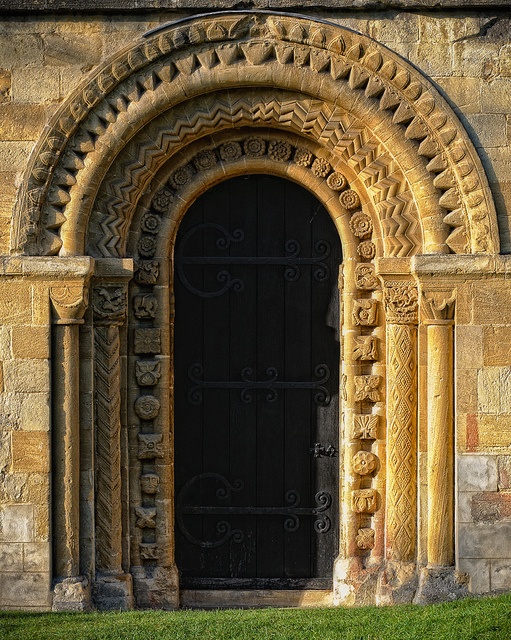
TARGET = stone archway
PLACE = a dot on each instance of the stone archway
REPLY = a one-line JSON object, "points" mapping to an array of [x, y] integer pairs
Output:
{"points": [[187, 106]]}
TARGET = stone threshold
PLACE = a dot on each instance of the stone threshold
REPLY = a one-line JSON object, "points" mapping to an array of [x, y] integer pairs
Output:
{"points": [[255, 599]]}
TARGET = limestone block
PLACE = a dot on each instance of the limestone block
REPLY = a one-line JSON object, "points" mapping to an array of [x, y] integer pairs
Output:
{"points": [[477, 473], [34, 413], [11, 557], [5, 343], [14, 155], [21, 121], [479, 574], [30, 342], [499, 159], [469, 347], [465, 93], [495, 431], [30, 451], [488, 129], [36, 84], [25, 589], [403, 27], [484, 540], [504, 472], [17, 523], [496, 346], [5, 451], [488, 390], [15, 302], [471, 55], [432, 58], [464, 502], [61, 49], [500, 574], [5, 85], [30, 376], [21, 49], [466, 391], [495, 96], [36, 556]]}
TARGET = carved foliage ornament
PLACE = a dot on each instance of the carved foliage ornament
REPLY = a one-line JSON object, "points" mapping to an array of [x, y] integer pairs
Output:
{"points": [[367, 388], [401, 302], [365, 538], [365, 427], [344, 56], [365, 277]]}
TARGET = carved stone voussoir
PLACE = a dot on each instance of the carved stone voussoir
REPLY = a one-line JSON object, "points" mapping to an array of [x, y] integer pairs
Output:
{"points": [[150, 445], [366, 348], [69, 303], [367, 388], [365, 312], [365, 426], [148, 372], [365, 538], [146, 517], [401, 302], [366, 278], [364, 500], [109, 304]]}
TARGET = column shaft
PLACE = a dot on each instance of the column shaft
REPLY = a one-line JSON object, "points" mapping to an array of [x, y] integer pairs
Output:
{"points": [[440, 445], [66, 449], [401, 442]]}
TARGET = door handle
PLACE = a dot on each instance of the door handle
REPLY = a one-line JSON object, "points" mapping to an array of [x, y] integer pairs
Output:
{"points": [[319, 450]]}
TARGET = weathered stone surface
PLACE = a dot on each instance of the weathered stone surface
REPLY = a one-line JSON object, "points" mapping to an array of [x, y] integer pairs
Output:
{"points": [[477, 473], [25, 589], [71, 594], [21, 122], [30, 342], [29, 376], [441, 584], [484, 540], [36, 557], [5, 85], [17, 523], [11, 557], [30, 451], [478, 572]]}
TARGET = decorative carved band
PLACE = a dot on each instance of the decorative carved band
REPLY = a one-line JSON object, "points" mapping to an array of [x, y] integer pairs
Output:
{"points": [[108, 464], [401, 441]]}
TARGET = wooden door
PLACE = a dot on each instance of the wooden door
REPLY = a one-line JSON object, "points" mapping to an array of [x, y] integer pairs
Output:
{"points": [[256, 388]]}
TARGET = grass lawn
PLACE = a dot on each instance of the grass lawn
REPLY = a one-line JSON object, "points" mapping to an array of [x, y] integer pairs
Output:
{"points": [[477, 619]]}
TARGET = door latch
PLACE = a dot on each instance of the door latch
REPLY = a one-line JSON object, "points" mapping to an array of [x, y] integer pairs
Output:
{"points": [[319, 450]]}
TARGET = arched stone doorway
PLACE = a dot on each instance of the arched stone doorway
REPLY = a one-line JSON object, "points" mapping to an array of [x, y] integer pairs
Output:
{"points": [[184, 108]]}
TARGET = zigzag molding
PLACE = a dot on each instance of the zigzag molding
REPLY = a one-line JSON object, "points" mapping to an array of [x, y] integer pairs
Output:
{"points": [[216, 51]]}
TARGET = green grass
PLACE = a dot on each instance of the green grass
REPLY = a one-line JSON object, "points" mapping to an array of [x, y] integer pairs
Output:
{"points": [[471, 619]]}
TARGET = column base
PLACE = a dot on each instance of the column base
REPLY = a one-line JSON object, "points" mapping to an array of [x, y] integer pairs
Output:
{"points": [[354, 584], [156, 587], [113, 592], [397, 583], [71, 594], [441, 584]]}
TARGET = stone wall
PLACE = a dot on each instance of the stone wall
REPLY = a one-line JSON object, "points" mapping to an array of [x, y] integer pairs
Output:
{"points": [[468, 55]]}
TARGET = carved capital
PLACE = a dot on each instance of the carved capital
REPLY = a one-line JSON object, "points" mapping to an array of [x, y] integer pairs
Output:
{"points": [[401, 302], [109, 304], [69, 303], [438, 306]]}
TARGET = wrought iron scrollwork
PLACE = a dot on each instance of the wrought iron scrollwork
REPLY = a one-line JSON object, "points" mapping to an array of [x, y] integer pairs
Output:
{"points": [[291, 260], [291, 511], [247, 384]]}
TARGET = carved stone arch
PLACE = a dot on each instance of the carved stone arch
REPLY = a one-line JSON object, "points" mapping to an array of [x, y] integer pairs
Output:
{"points": [[129, 151], [221, 51]]}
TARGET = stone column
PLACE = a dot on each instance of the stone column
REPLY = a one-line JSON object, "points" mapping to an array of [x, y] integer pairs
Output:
{"points": [[401, 307], [69, 302], [112, 586], [437, 580]]}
